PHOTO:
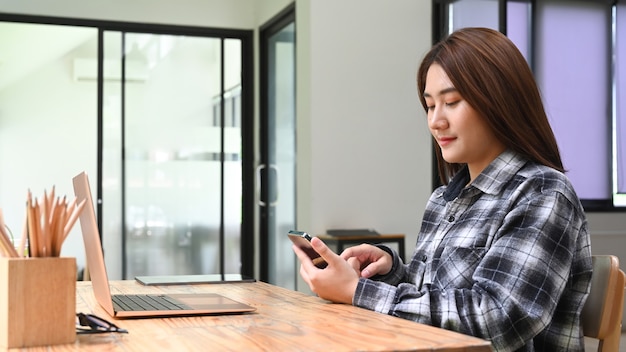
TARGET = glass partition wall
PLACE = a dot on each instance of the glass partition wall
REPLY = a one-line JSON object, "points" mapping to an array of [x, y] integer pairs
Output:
{"points": [[48, 118], [160, 114], [170, 162]]}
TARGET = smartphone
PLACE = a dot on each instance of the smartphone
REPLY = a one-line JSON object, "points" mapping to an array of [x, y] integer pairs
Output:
{"points": [[303, 241]]}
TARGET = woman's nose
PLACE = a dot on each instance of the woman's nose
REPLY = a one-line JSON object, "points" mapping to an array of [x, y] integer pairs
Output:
{"points": [[436, 119]]}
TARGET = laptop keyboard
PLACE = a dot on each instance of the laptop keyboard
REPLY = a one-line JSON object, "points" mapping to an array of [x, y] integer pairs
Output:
{"points": [[134, 303]]}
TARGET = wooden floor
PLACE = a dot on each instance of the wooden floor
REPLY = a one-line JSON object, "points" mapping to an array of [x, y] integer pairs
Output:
{"points": [[592, 345]]}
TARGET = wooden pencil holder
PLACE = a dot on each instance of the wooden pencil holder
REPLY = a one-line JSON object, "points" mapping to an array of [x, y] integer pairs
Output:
{"points": [[37, 301]]}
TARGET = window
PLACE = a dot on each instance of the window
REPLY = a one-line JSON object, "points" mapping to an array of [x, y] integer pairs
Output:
{"points": [[576, 49]]}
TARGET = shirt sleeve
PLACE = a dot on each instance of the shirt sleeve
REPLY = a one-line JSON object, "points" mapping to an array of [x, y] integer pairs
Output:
{"points": [[506, 291]]}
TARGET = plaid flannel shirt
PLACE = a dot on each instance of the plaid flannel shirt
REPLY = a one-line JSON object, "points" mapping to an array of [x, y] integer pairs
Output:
{"points": [[507, 259]]}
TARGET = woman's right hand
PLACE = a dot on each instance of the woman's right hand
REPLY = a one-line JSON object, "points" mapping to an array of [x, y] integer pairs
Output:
{"points": [[371, 260]]}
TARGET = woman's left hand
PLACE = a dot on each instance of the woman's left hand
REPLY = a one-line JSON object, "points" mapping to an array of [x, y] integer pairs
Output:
{"points": [[337, 282]]}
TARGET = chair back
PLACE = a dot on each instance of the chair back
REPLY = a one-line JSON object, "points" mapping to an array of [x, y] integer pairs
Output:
{"points": [[602, 314]]}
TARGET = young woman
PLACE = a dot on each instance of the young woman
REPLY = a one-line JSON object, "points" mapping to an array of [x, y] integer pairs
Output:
{"points": [[503, 252]]}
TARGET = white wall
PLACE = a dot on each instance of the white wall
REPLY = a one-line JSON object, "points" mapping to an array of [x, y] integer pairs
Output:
{"points": [[363, 144]]}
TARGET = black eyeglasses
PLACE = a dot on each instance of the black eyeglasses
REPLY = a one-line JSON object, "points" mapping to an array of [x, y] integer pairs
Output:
{"points": [[91, 324]]}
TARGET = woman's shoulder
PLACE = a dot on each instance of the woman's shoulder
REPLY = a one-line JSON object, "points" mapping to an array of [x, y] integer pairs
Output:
{"points": [[547, 180], [544, 174]]}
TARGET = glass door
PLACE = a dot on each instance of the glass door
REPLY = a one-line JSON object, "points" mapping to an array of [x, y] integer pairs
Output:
{"points": [[278, 151], [172, 153]]}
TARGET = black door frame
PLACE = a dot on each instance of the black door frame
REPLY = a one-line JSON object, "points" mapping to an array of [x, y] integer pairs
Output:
{"points": [[273, 26]]}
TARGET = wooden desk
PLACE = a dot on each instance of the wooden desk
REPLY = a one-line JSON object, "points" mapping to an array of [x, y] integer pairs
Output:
{"points": [[285, 320], [342, 241]]}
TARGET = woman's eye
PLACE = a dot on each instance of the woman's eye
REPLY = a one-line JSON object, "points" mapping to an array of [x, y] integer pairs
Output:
{"points": [[452, 103]]}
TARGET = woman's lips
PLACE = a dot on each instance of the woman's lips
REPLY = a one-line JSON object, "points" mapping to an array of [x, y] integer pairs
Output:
{"points": [[444, 141]]}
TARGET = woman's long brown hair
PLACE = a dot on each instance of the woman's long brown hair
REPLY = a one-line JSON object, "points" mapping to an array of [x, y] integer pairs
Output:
{"points": [[491, 74]]}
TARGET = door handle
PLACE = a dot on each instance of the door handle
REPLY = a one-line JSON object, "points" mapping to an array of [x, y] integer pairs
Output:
{"points": [[272, 197]]}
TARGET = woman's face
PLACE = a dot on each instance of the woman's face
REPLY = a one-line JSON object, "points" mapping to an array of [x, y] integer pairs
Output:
{"points": [[463, 135]]}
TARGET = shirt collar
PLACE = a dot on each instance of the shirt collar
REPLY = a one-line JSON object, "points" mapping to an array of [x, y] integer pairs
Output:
{"points": [[492, 179]]}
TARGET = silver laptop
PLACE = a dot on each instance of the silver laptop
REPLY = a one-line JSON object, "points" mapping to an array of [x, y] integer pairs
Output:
{"points": [[129, 306]]}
